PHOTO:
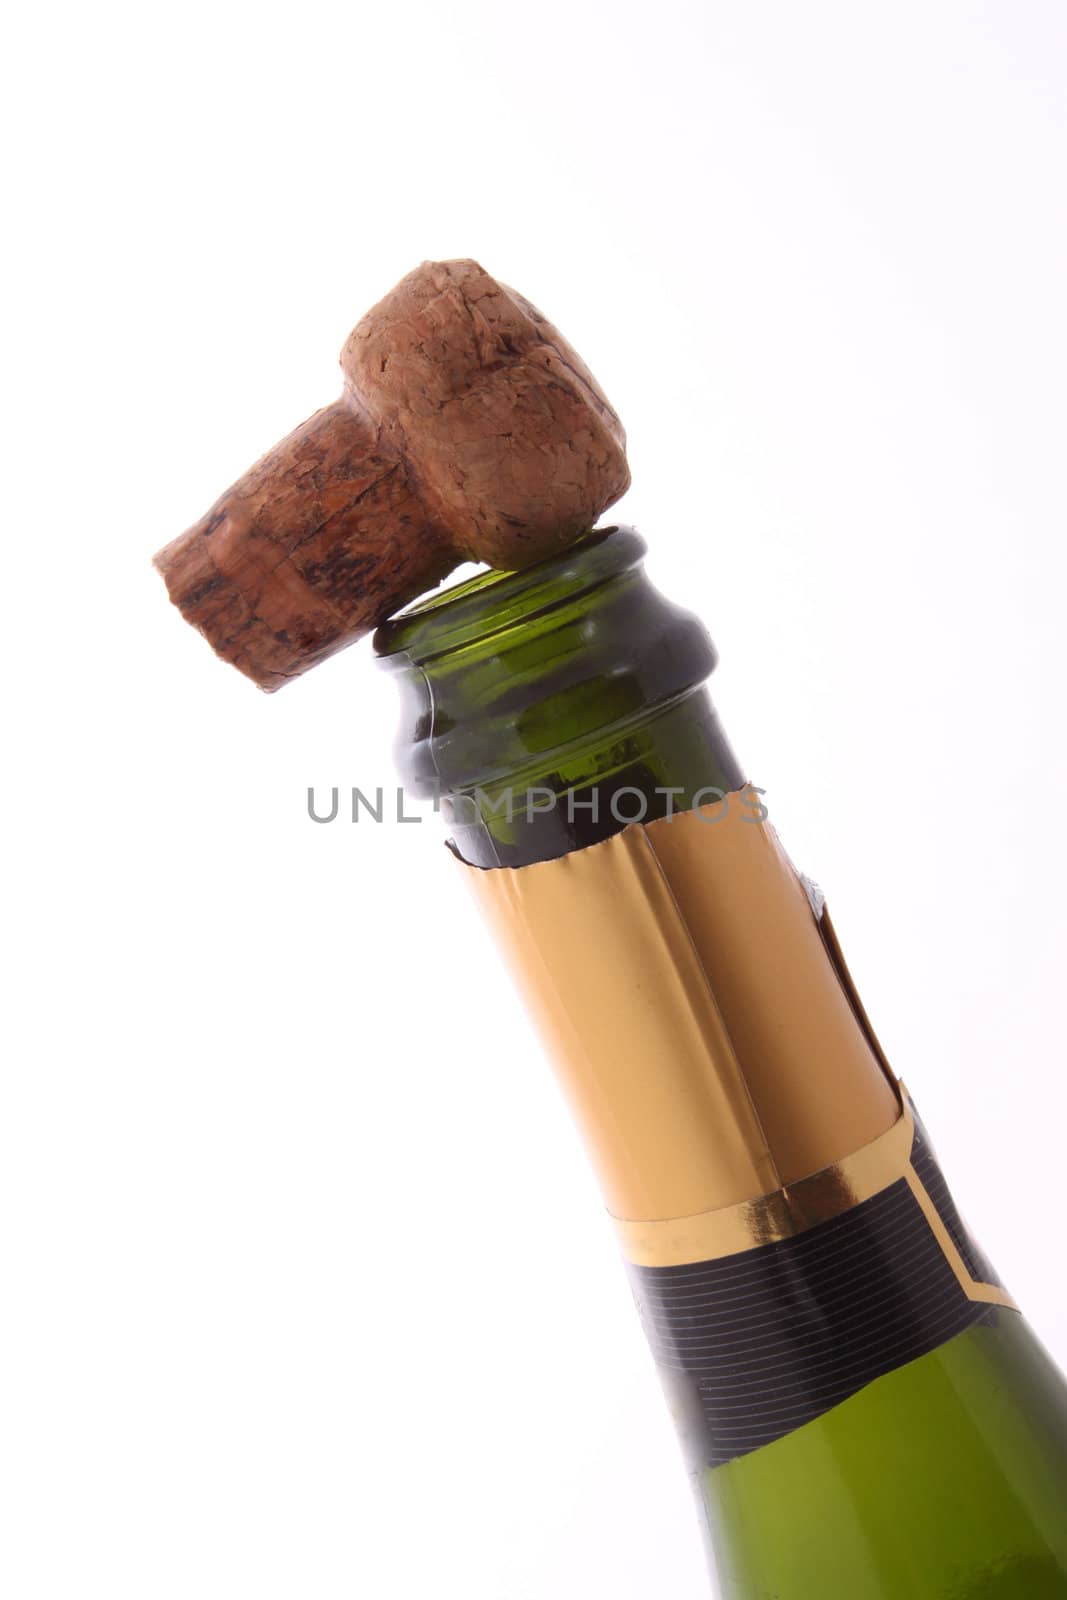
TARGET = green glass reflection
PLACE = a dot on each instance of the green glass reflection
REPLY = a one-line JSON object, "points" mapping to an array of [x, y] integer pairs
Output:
{"points": [[578, 684]]}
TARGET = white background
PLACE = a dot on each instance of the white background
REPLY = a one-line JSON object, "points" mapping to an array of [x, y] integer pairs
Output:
{"points": [[306, 1288]]}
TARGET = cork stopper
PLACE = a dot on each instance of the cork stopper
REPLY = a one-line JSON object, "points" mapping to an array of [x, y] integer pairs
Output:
{"points": [[468, 429]]}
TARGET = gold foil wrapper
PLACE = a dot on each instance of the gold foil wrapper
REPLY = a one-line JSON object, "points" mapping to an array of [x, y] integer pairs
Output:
{"points": [[708, 1037], [707, 1044]]}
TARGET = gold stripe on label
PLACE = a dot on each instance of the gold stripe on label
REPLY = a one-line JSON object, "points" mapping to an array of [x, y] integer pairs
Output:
{"points": [[793, 1210], [991, 1293], [782, 1215]]}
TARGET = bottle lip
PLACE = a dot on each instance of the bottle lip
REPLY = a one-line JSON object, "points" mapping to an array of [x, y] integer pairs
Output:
{"points": [[491, 601]]}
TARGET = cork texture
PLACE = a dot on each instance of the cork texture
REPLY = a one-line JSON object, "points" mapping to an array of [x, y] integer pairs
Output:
{"points": [[468, 429]]}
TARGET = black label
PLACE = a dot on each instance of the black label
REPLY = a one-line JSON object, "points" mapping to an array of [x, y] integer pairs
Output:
{"points": [[767, 1340]]}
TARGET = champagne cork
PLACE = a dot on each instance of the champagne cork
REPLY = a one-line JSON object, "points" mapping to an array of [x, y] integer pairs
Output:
{"points": [[468, 429]]}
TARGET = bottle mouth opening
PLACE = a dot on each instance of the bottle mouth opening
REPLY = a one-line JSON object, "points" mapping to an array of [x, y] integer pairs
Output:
{"points": [[492, 601]]}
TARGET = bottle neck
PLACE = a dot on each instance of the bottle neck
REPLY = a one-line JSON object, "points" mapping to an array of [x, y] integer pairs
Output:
{"points": [[549, 709], [809, 1290]]}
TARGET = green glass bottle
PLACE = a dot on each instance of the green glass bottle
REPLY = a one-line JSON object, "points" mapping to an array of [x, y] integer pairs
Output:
{"points": [[865, 1413]]}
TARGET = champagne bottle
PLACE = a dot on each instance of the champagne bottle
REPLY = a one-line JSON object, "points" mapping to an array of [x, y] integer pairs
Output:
{"points": [[864, 1411]]}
